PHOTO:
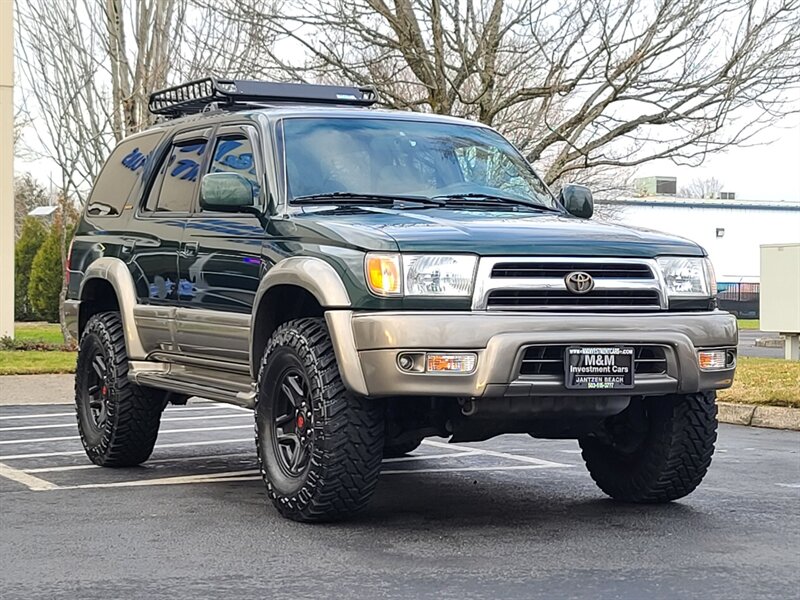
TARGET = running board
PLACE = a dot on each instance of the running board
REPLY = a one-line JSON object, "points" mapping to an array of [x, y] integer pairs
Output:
{"points": [[220, 386]]}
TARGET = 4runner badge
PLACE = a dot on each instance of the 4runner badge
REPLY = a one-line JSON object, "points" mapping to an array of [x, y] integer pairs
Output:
{"points": [[579, 282]]}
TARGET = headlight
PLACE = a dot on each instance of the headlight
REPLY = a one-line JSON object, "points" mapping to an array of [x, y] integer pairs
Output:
{"points": [[688, 277], [438, 275], [420, 274]]}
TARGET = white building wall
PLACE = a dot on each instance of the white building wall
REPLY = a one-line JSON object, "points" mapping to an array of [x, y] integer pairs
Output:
{"points": [[734, 255]]}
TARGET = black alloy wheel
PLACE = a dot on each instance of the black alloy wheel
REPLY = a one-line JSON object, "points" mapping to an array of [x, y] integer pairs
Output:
{"points": [[118, 420], [319, 446], [97, 384], [293, 437]]}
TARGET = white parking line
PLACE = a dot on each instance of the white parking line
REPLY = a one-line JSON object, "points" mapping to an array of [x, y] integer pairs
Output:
{"points": [[32, 483], [254, 475], [77, 452], [38, 415], [460, 469], [789, 485], [181, 479], [213, 456], [517, 457], [429, 456], [180, 459], [176, 459], [164, 420], [166, 431], [191, 407]]}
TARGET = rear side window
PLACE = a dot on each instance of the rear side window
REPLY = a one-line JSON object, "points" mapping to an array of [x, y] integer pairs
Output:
{"points": [[176, 184], [122, 172]]}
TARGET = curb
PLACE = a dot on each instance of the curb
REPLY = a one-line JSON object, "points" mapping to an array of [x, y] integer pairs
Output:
{"points": [[774, 417], [770, 342]]}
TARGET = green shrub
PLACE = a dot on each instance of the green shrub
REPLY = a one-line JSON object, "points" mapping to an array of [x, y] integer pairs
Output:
{"points": [[32, 235], [46, 277]]}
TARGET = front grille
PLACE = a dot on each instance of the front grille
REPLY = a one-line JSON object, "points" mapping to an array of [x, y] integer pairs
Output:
{"points": [[549, 360], [562, 298], [539, 284], [534, 270]]}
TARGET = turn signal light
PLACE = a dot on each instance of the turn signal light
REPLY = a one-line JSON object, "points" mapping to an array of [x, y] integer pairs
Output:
{"points": [[383, 274], [463, 362], [712, 360]]}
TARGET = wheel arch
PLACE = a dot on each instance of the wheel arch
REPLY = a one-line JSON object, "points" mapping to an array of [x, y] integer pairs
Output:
{"points": [[295, 287], [107, 285]]}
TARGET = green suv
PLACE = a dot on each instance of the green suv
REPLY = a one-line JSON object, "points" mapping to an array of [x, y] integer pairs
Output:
{"points": [[366, 278]]}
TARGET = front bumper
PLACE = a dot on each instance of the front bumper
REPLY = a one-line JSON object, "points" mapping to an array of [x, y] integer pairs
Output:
{"points": [[367, 345]]}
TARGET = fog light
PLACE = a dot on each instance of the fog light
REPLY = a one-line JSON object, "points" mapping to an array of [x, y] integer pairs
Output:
{"points": [[463, 362], [406, 362], [712, 360]]}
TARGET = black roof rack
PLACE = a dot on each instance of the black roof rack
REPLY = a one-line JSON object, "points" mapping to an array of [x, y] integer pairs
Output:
{"points": [[229, 94]]}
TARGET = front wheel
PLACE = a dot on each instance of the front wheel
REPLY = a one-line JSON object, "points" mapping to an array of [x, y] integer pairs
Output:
{"points": [[655, 451], [319, 447]]}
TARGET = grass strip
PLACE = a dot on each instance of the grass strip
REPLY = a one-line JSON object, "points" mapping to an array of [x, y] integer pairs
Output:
{"points": [[764, 381], [29, 362]]}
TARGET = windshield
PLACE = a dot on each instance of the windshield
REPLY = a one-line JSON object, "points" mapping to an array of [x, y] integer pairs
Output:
{"points": [[399, 157]]}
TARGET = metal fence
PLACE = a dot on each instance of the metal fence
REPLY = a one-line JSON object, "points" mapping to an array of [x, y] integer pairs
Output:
{"points": [[741, 299]]}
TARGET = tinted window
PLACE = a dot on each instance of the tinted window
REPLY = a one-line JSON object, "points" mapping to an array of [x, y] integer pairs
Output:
{"points": [[383, 156], [121, 173], [234, 154], [492, 167], [177, 180]]}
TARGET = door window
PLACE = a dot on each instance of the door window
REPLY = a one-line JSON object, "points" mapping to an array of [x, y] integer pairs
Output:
{"points": [[234, 154], [175, 188]]}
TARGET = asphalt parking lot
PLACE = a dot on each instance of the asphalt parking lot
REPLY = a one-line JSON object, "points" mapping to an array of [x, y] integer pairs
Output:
{"points": [[747, 344], [509, 518]]}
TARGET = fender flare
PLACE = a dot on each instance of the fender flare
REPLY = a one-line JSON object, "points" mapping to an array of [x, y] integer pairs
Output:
{"points": [[115, 271], [312, 274]]}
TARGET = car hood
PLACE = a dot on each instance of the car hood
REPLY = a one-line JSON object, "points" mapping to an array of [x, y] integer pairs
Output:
{"points": [[492, 232]]}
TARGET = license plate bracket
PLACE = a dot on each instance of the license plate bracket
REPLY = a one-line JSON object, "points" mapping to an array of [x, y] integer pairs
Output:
{"points": [[598, 367]]}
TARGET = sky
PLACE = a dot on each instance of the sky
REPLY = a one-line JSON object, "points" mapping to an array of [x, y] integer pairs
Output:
{"points": [[768, 171]]}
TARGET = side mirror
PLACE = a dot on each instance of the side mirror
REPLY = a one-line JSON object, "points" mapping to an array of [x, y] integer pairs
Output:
{"points": [[226, 192], [577, 199]]}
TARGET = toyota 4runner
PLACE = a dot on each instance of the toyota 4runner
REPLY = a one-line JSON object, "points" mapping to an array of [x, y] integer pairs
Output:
{"points": [[366, 278]]}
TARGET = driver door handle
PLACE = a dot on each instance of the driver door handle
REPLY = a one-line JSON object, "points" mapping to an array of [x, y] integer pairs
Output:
{"points": [[189, 249]]}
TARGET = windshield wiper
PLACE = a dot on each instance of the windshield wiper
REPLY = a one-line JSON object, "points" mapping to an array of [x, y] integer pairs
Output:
{"points": [[364, 198], [488, 200]]}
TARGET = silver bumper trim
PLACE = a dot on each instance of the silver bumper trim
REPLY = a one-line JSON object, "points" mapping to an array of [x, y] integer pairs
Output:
{"points": [[367, 345]]}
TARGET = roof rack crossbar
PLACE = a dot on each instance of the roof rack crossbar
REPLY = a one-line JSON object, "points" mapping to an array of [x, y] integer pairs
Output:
{"points": [[199, 95]]}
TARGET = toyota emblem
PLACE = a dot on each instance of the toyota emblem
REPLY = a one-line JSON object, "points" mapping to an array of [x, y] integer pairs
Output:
{"points": [[579, 282]]}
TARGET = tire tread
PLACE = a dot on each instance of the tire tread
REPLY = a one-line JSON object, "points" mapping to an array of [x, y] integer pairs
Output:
{"points": [[134, 415], [675, 457], [346, 459]]}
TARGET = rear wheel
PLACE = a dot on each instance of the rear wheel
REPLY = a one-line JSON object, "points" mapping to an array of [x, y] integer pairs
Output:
{"points": [[319, 447], [657, 450], [118, 421]]}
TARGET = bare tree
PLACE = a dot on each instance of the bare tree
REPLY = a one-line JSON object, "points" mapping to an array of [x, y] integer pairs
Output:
{"points": [[141, 65], [28, 194], [88, 67], [60, 59], [705, 188], [224, 46], [578, 85]]}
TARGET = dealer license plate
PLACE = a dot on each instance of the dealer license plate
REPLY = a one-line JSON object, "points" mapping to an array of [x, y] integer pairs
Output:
{"points": [[598, 367]]}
